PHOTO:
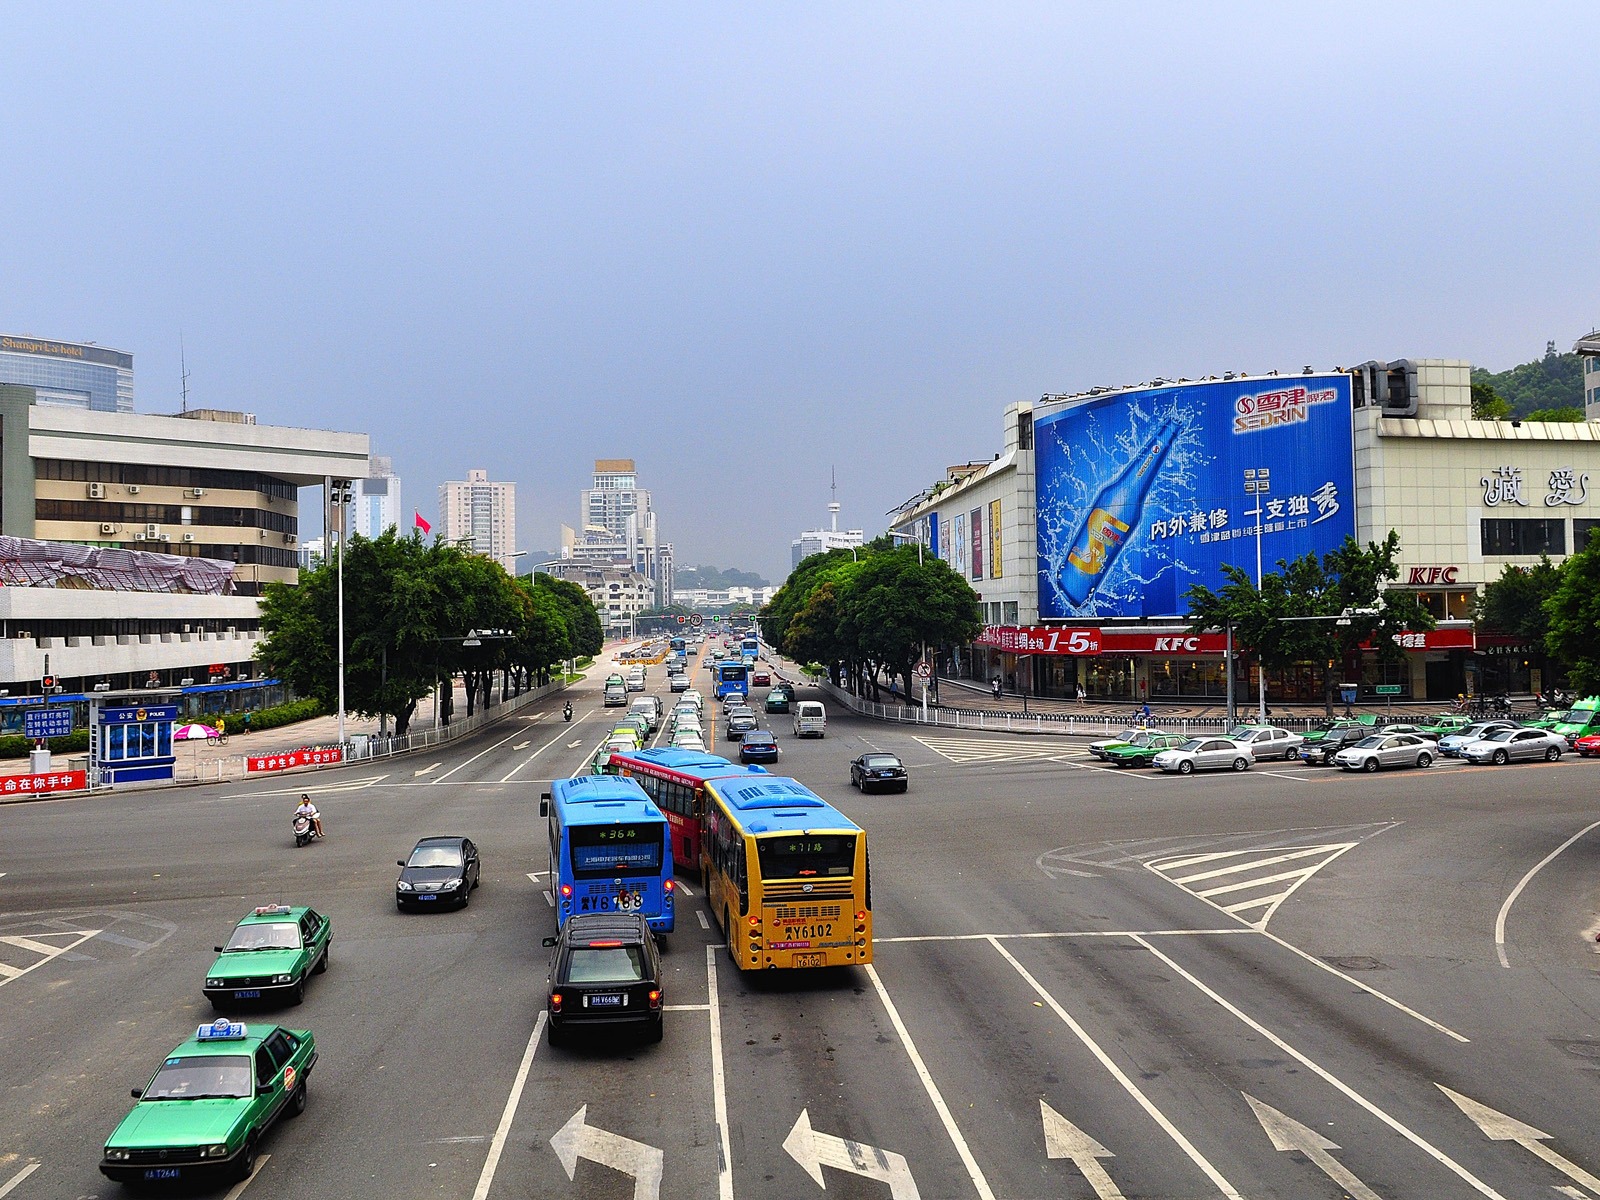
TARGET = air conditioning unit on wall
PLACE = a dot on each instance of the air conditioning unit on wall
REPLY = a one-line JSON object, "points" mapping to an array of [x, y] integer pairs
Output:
{"points": [[97, 491], [188, 537], [106, 527], [133, 489], [152, 533]]}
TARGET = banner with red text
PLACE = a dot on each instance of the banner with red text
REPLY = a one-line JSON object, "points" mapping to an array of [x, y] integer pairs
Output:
{"points": [[306, 756]]}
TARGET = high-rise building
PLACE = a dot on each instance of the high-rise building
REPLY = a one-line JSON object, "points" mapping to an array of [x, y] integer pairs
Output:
{"points": [[68, 374], [378, 501], [1589, 347], [481, 515], [619, 527], [614, 497]]}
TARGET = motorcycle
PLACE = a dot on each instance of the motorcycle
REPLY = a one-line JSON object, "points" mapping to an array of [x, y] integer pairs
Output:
{"points": [[566, 711], [304, 831]]}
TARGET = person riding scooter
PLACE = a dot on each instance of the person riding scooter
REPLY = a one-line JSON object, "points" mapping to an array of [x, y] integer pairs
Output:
{"points": [[566, 711], [309, 811]]}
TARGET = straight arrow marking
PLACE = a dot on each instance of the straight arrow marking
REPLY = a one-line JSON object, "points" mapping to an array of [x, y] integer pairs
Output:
{"points": [[1063, 1139], [813, 1151], [1498, 1127], [578, 1139], [522, 745], [1288, 1134], [428, 769]]}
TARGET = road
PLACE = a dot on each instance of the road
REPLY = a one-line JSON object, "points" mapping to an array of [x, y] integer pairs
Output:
{"points": [[1087, 983]]}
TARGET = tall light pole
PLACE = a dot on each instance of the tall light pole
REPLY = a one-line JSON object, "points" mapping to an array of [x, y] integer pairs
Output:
{"points": [[1257, 483], [340, 495]]}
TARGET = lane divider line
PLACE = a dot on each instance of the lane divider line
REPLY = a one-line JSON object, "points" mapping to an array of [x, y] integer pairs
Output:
{"points": [[497, 1143], [1505, 909], [18, 1178], [476, 757], [528, 761], [719, 1083]]}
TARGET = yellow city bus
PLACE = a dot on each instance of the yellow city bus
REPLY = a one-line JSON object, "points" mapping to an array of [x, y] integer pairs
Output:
{"points": [[786, 874]]}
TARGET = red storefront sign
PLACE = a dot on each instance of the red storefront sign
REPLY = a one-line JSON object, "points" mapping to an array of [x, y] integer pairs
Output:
{"points": [[1177, 644], [1040, 639], [306, 756], [1434, 639], [1043, 639], [51, 781]]}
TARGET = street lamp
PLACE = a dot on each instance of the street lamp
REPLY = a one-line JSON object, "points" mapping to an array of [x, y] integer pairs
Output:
{"points": [[340, 495], [909, 537]]}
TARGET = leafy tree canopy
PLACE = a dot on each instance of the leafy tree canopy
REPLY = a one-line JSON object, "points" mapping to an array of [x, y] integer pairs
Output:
{"points": [[1514, 603], [715, 578], [1574, 615], [1553, 381]]}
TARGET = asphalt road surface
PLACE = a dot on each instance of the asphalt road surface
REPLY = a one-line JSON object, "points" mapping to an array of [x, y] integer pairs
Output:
{"points": [[1087, 983]]}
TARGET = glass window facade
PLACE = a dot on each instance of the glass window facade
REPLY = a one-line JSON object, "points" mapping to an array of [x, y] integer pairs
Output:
{"points": [[68, 383]]}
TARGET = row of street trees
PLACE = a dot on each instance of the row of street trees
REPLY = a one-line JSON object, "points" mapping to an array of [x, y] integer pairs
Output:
{"points": [[1556, 608], [869, 614], [408, 608]]}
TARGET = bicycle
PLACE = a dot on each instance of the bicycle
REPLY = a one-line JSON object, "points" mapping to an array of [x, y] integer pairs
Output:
{"points": [[220, 738]]}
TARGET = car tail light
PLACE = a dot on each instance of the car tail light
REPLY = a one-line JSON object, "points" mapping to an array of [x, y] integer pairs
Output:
{"points": [[861, 916], [655, 998], [555, 1001], [566, 889], [670, 885], [755, 922]]}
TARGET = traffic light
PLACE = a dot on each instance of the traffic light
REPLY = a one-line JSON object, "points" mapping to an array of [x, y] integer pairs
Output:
{"points": [[48, 683]]}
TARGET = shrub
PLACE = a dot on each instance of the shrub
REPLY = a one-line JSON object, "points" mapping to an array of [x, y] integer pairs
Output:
{"points": [[271, 718]]}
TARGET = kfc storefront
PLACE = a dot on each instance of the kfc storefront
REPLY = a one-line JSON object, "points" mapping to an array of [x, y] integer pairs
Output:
{"points": [[1178, 665]]}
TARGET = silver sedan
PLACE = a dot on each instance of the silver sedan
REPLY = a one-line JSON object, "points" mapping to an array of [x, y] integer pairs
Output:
{"points": [[1386, 750], [1206, 754], [1511, 744]]}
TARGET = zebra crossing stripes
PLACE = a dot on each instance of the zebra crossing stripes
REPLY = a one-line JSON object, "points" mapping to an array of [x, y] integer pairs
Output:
{"points": [[19, 955], [989, 750], [1244, 883]]}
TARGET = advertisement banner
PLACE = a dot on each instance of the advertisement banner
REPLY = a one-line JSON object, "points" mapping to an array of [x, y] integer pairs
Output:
{"points": [[975, 519], [1144, 494], [53, 781], [1039, 639], [995, 570], [306, 756]]}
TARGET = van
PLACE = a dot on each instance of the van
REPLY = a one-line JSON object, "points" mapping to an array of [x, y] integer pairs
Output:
{"points": [[636, 679], [649, 707], [810, 719]]}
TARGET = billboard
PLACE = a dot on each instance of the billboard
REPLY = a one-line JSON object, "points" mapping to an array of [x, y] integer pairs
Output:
{"points": [[1143, 494]]}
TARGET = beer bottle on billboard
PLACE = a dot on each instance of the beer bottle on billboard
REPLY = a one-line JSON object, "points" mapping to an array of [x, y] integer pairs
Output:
{"points": [[1114, 515]]}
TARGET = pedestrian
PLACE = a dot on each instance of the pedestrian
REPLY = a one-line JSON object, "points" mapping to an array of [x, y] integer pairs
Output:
{"points": [[995, 687], [247, 722], [1081, 694]]}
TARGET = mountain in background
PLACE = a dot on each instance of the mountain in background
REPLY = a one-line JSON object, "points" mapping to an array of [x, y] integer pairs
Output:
{"points": [[1552, 382], [715, 578]]}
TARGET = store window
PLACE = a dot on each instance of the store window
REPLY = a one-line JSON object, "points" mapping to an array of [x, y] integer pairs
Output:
{"points": [[1523, 535], [1011, 612], [1448, 605]]}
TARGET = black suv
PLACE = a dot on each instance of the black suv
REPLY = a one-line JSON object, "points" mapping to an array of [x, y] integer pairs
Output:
{"points": [[1320, 754], [605, 970]]}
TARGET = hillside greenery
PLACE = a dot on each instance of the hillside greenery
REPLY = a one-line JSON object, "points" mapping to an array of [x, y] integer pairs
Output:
{"points": [[1552, 382], [715, 578]]}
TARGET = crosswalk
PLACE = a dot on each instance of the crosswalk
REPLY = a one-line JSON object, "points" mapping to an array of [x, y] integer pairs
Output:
{"points": [[1248, 884], [994, 750], [20, 955]]}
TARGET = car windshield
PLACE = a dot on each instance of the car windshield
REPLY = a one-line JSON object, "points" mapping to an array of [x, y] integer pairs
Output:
{"points": [[1577, 716], [1127, 735], [279, 935], [1192, 745], [435, 856], [203, 1077], [879, 760], [605, 964]]}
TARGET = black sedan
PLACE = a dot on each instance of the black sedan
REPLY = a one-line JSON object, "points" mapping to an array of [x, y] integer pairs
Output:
{"points": [[1320, 754], [759, 746], [878, 770], [605, 970], [738, 726], [440, 870]]}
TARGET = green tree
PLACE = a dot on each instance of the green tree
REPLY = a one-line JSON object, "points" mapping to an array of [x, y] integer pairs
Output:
{"points": [[1488, 404], [1553, 381], [586, 636], [1568, 412], [1574, 615], [895, 607], [1514, 603]]}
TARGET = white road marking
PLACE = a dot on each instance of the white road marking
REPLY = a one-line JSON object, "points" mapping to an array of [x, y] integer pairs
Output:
{"points": [[18, 1178], [1117, 1073], [1060, 933], [1283, 775], [456, 1141], [237, 1189], [1288, 1134], [704, 924], [1505, 909], [498, 1143], [1498, 1127], [522, 745], [1063, 1139], [573, 744], [719, 1083], [686, 1008], [1324, 1074], [638, 1160], [1250, 860], [9, 973], [813, 1151], [529, 760], [476, 757], [428, 770], [974, 1172], [355, 785], [23, 943], [535, 875], [682, 887], [549, 899]]}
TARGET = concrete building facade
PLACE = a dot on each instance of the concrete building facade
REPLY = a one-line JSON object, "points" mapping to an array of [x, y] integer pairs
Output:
{"points": [[378, 506], [482, 515]]}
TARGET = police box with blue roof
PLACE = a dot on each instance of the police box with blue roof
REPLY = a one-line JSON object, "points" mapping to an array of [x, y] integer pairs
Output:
{"points": [[610, 850]]}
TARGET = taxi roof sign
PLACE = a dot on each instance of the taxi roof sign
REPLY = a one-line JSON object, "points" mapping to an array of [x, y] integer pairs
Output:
{"points": [[221, 1030], [271, 910]]}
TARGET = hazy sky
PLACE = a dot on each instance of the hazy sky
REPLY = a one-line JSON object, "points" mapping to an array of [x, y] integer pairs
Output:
{"points": [[742, 243]]}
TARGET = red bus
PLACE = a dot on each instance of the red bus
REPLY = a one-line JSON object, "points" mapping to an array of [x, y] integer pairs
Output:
{"points": [[676, 781]]}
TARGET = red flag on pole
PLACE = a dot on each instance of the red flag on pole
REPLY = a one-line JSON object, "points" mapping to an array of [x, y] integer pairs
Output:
{"points": [[419, 523]]}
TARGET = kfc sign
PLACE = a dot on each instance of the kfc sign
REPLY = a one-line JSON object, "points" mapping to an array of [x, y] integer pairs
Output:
{"points": [[1428, 576]]}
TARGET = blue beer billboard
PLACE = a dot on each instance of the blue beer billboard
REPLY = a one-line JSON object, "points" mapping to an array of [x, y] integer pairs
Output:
{"points": [[1142, 494]]}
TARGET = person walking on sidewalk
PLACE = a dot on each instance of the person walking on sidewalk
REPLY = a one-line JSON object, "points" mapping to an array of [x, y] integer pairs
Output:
{"points": [[995, 688], [1081, 695]]}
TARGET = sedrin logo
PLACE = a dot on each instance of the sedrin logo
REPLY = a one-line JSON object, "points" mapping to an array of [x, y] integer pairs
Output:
{"points": [[1283, 406]]}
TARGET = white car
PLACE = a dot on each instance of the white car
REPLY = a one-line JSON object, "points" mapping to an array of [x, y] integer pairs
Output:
{"points": [[688, 739], [1268, 741], [1206, 754], [1511, 744], [1386, 750], [678, 683]]}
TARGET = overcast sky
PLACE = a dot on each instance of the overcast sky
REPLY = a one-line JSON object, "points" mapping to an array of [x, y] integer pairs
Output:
{"points": [[741, 244]]}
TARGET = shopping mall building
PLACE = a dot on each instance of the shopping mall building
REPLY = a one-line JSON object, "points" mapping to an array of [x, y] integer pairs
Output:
{"points": [[1082, 535]]}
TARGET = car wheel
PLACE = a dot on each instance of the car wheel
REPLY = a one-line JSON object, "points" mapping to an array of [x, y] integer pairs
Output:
{"points": [[1186, 767], [1241, 764], [1552, 754], [1501, 758], [1291, 754], [1370, 764], [297, 994], [297, 1102], [247, 1160], [1424, 759]]}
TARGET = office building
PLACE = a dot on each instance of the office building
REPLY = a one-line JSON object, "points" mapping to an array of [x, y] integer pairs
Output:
{"points": [[619, 527], [481, 515], [68, 374], [377, 505], [820, 541], [619, 594], [208, 501], [1589, 347]]}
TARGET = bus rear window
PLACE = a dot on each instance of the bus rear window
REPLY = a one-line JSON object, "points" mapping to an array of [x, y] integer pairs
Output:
{"points": [[798, 856], [628, 849]]}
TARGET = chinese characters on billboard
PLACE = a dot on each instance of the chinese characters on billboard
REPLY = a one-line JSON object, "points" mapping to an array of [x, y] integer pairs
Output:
{"points": [[1144, 494]]}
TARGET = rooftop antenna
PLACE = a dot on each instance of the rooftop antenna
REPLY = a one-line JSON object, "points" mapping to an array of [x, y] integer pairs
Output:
{"points": [[183, 367], [833, 503]]}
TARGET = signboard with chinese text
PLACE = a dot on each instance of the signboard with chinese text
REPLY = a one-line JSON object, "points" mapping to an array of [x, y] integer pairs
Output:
{"points": [[46, 781], [47, 722], [1142, 494], [306, 756]]}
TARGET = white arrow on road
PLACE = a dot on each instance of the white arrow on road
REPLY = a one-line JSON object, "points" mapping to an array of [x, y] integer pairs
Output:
{"points": [[522, 745], [1063, 1139], [570, 745], [1288, 1134], [813, 1151], [1498, 1127], [578, 1139], [429, 769]]}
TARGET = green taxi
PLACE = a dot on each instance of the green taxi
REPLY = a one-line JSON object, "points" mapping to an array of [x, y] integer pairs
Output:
{"points": [[1445, 724], [1335, 728], [1142, 751], [202, 1116], [269, 956]]}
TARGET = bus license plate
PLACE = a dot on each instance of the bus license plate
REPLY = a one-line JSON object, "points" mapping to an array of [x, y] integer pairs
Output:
{"points": [[164, 1173], [604, 1001], [250, 994], [810, 960]]}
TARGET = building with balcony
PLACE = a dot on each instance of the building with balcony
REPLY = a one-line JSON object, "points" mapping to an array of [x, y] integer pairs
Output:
{"points": [[481, 515]]}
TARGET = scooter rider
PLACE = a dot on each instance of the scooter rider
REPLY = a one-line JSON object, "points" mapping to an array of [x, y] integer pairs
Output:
{"points": [[566, 711], [308, 809]]}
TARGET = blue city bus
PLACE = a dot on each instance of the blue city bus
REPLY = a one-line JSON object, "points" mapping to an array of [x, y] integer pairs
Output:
{"points": [[750, 648], [677, 645], [733, 679], [610, 850]]}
